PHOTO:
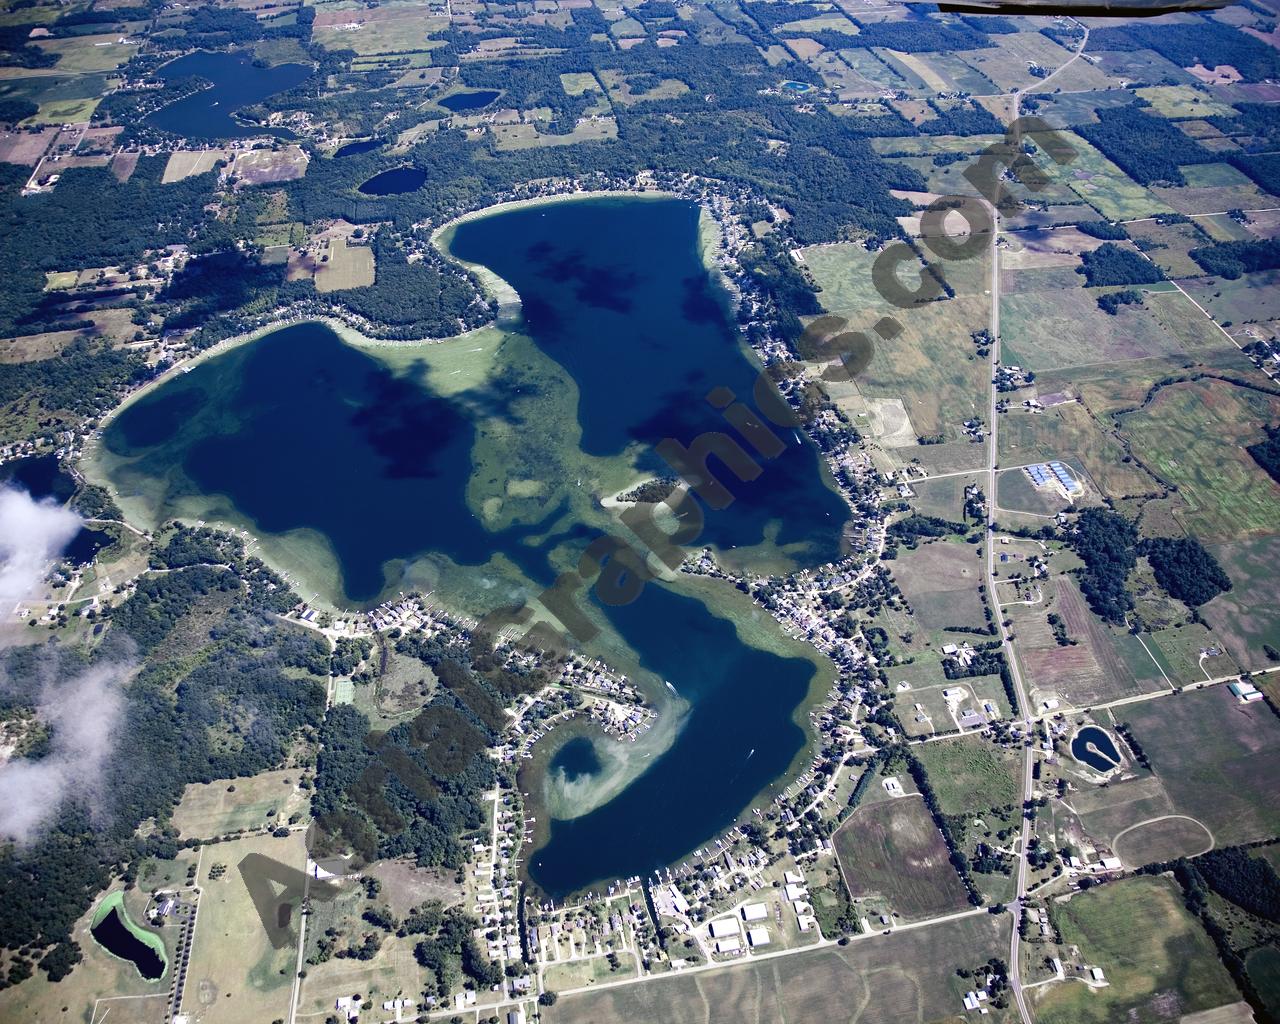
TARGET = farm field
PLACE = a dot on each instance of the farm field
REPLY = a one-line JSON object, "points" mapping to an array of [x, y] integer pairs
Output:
{"points": [[1247, 618], [1050, 321], [1102, 184], [216, 808], [348, 266], [894, 850], [941, 580], [1178, 964], [1218, 760], [970, 774], [1160, 840], [187, 163], [235, 974], [1192, 434], [904, 978], [1250, 297]]}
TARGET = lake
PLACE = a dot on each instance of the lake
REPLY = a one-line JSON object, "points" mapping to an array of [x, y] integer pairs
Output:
{"points": [[388, 459], [461, 101], [43, 477], [356, 148], [1094, 747], [394, 182], [237, 83]]}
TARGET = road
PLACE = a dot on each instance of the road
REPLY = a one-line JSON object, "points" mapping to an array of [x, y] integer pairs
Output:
{"points": [[993, 461]]}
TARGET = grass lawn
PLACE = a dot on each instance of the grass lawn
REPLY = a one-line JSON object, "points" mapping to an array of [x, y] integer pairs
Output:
{"points": [[893, 849], [1248, 616], [942, 582], [1157, 958]]}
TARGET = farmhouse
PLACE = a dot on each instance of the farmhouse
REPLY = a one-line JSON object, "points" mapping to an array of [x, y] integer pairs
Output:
{"points": [[1246, 693]]}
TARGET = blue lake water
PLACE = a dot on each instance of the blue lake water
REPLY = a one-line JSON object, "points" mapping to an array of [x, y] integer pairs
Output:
{"points": [[237, 83], [299, 430], [355, 148], [576, 759], [463, 101], [1094, 747], [394, 182]]}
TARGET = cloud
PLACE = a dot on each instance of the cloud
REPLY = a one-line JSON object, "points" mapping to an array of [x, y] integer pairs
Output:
{"points": [[82, 712], [32, 534]]}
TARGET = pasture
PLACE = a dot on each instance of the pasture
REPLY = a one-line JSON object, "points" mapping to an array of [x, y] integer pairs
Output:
{"points": [[1161, 839], [1218, 760], [942, 582], [1102, 184], [943, 497], [893, 850], [1178, 971], [348, 266], [212, 809], [1248, 616], [235, 974], [903, 978], [1006, 63], [1192, 435], [1184, 653], [527, 136], [1250, 297], [970, 774], [1169, 244], [1050, 321]]}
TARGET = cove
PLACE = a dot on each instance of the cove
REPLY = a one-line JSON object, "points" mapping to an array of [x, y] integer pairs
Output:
{"points": [[576, 759], [44, 479], [615, 290], [1092, 746], [237, 83]]}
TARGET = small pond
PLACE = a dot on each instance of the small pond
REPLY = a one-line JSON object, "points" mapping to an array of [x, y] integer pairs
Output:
{"points": [[120, 937], [394, 182], [356, 148], [1095, 748], [461, 101], [797, 86]]}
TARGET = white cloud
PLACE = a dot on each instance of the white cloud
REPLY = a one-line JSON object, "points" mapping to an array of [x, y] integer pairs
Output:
{"points": [[32, 534]]}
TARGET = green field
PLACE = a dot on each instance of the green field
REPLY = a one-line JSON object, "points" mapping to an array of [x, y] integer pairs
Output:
{"points": [[1217, 759], [348, 266], [1248, 616], [212, 809], [1192, 435], [904, 978], [942, 581], [1184, 101], [970, 774], [1154, 953], [1102, 184]]}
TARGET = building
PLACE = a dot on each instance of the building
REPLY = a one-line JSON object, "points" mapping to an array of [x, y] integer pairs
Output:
{"points": [[796, 892], [755, 912], [730, 945], [758, 937], [515, 1016], [1246, 693], [724, 927]]}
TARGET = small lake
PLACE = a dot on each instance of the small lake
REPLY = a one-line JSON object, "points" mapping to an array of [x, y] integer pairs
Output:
{"points": [[356, 148], [1094, 747], [237, 83], [461, 101], [114, 934], [394, 182]]}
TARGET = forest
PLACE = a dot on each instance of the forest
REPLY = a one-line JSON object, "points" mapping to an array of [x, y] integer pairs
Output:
{"points": [[1149, 149], [1235, 259], [1266, 453], [1110, 264], [1186, 570], [1210, 43], [1106, 542]]}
